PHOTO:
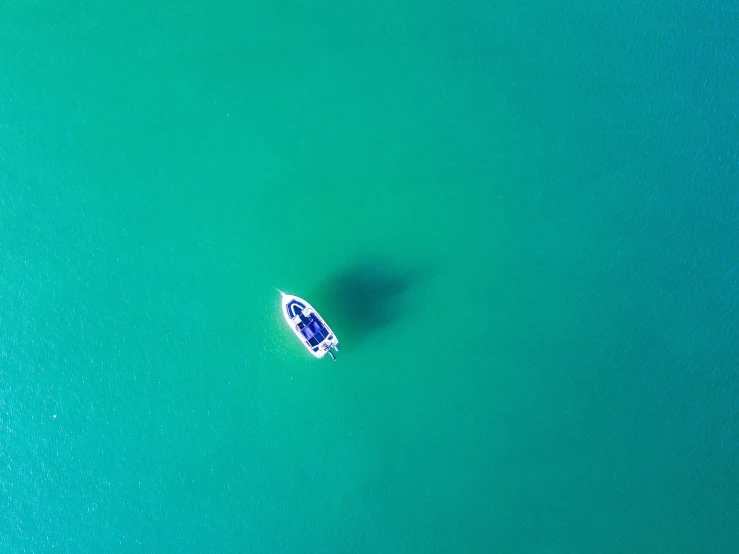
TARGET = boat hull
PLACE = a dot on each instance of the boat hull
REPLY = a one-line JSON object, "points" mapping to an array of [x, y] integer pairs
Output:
{"points": [[308, 326]]}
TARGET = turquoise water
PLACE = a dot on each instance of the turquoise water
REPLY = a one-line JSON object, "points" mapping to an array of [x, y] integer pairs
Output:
{"points": [[522, 221]]}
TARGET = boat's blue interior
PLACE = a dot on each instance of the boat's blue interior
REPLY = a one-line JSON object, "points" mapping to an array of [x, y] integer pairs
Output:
{"points": [[313, 327], [315, 331], [294, 308]]}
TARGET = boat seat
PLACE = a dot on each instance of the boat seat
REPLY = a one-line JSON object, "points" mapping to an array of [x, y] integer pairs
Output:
{"points": [[313, 328]]}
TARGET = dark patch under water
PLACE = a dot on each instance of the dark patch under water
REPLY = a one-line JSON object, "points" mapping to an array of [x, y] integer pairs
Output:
{"points": [[364, 297]]}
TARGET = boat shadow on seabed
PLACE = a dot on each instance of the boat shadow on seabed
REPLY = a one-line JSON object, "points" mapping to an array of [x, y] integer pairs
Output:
{"points": [[363, 298]]}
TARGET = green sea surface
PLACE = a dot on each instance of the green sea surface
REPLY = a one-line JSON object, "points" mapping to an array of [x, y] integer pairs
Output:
{"points": [[520, 218]]}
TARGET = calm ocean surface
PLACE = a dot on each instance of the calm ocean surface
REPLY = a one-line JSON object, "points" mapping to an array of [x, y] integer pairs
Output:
{"points": [[521, 218]]}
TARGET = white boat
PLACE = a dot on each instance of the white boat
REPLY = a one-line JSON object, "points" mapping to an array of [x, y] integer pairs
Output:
{"points": [[308, 326]]}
